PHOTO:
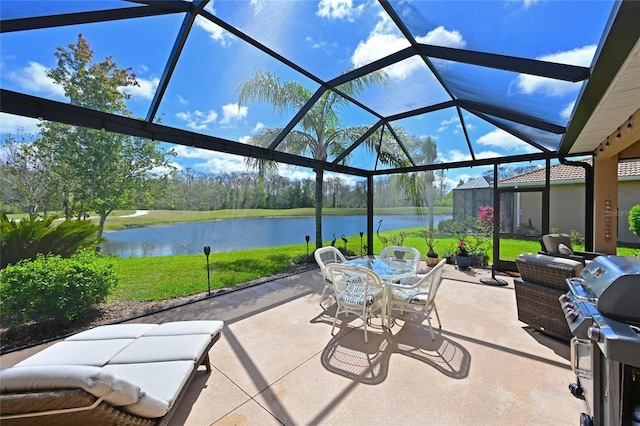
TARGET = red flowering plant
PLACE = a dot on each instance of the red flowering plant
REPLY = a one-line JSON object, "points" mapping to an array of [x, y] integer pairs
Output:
{"points": [[462, 249]]}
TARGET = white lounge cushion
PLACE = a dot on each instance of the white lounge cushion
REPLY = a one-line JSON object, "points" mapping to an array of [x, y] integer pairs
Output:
{"points": [[114, 331], [95, 380], [78, 352], [163, 348], [160, 382], [183, 328]]}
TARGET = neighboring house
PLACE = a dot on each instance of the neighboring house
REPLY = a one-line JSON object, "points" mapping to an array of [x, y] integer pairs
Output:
{"points": [[567, 198], [470, 196]]}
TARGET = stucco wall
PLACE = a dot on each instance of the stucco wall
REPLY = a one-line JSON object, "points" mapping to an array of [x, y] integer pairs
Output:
{"points": [[566, 211], [628, 196]]}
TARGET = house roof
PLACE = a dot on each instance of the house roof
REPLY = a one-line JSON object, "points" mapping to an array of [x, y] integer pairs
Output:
{"points": [[480, 182], [563, 172]]}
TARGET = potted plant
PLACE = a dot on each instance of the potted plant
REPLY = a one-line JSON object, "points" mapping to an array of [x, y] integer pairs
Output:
{"points": [[432, 256], [463, 256], [449, 255], [398, 240]]}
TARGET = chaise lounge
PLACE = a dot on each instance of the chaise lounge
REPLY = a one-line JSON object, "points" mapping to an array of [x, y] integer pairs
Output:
{"points": [[125, 374]]}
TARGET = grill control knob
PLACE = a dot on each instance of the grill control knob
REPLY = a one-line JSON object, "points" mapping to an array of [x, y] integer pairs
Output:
{"points": [[576, 390], [567, 306], [571, 315], [594, 333], [564, 298]]}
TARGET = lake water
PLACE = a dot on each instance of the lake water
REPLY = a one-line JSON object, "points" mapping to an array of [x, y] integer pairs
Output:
{"points": [[241, 234]]}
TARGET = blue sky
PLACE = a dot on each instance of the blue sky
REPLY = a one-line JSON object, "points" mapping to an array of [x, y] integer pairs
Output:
{"points": [[325, 37]]}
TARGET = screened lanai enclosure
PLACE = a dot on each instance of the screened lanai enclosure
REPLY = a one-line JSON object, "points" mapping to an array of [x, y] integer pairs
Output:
{"points": [[359, 89]]}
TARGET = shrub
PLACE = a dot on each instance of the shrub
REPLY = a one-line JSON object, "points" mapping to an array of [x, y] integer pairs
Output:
{"points": [[634, 220], [576, 238], [445, 226], [27, 238], [51, 287], [303, 259]]}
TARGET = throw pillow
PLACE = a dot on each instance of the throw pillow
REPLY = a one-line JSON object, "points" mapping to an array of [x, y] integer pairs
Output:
{"points": [[563, 249]]}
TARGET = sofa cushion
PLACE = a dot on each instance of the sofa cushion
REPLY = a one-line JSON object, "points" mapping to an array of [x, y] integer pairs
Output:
{"points": [[163, 348], [183, 328], [114, 331], [160, 382], [95, 380], [78, 352], [542, 259], [551, 242]]}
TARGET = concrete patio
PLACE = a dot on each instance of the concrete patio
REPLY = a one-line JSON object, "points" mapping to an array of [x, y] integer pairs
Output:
{"points": [[277, 362]]}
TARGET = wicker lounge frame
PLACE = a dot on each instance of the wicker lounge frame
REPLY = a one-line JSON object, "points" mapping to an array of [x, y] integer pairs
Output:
{"points": [[79, 407], [542, 282]]}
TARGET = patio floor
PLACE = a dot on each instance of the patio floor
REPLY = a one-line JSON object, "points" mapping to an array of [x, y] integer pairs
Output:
{"points": [[277, 362]]}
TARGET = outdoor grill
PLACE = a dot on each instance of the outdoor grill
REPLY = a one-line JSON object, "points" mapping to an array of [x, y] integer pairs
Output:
{"points": [[602, 310]]}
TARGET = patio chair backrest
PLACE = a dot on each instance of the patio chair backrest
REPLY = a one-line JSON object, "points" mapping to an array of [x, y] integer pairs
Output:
{"points": [[328, 255], [552, 241], [435, 278], [410, 255], [361, 282]]}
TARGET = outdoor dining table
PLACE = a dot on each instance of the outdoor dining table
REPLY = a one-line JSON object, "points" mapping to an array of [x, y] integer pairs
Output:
{"points": [[391, 272]]}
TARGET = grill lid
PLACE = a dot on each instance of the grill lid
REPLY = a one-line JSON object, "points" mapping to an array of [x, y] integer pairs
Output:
{"points": [[614, 283]]}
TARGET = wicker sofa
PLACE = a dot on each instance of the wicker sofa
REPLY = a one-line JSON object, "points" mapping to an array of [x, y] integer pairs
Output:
{"points": [[121, 374], [542, 280]]}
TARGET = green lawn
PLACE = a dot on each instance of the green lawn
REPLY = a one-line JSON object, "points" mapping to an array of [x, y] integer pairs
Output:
{"points": [[164, 277]]}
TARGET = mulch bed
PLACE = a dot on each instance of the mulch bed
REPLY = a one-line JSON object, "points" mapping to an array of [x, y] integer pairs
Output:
{"points": [[18, 335]]}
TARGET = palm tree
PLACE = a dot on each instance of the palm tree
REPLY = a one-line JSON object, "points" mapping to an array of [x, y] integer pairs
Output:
{"points": [[419, 186], [318, 134], [425, 152]]}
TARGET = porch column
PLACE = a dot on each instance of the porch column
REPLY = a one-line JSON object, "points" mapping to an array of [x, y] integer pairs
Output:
{"points": [[605, 204]]}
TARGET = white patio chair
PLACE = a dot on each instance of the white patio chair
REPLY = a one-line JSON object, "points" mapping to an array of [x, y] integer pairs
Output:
{"points": [[358, 291], [406, 254], [419, 296], [325, 256]]}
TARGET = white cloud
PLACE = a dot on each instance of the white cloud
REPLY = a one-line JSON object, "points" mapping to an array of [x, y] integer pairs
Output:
{"points": [[385, 39], [445, 124], [501, 139], [233, 112], [259, 126], [257, 6], [33, 78], [531, 84], [297, 173], [525, 3], [198, 120], [211, 161], [216, 33], [566, 112], [338, 9], [145, 90], [13, 123], [453, 155], [443, 37], [182, 100]]}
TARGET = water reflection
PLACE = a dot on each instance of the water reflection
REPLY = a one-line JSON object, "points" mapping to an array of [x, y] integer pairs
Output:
{"points": [[240, 234]]}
